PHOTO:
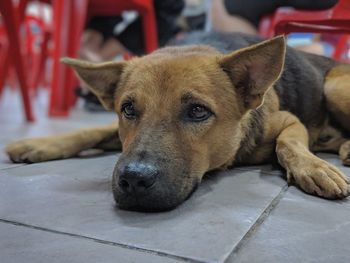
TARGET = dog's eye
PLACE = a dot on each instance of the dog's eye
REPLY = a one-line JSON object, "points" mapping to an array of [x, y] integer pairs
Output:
{"points": [[198, 113], [128, 110]]}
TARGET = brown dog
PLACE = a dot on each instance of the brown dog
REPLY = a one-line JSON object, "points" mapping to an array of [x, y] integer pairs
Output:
{"points": [[187, 110]]}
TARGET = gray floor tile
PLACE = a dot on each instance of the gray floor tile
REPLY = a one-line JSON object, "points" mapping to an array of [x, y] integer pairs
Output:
{"points": [[74, 196], [302, 228], [21, 244]]}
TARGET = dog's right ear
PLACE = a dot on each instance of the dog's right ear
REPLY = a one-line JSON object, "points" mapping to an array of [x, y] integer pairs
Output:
{"points": [[101, 78], [254, 69]]}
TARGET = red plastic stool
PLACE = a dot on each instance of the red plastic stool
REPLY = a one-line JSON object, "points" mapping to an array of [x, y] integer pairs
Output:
{"points": [[145, 8], [333, 20], [69, 20], [341, 49], [286, 20], [36, 49], [11, 21], [4, 58]]}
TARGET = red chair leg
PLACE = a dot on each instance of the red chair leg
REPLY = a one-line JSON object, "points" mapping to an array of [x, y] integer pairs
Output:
{"points": [[12, 26], [79, 16], [4, 66], [65, 44], [341, 47], [60, 35]]}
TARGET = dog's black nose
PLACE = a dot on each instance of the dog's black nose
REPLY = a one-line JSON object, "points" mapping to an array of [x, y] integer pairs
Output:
{"points": [[137, 178]]}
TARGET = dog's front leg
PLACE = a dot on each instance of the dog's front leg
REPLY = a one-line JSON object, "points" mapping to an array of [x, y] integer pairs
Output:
{"points": [[312, 174], [64, 146]]}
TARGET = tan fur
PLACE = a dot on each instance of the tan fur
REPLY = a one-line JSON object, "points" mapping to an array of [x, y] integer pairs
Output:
{"points": [[344, 153], [337, 92], [160, 85], [264, 152], [312, 174]]}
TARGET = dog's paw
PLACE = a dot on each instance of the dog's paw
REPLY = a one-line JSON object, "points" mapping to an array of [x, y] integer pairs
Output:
{"points": [[34, 150], [344, 153], [318, 177]]}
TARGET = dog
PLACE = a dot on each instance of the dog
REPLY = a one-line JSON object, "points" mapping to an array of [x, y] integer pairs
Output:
{"points": [[211, 102]]}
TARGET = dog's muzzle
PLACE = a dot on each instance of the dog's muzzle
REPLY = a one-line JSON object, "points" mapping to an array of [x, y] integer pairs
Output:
{"points": [[144, 186]]}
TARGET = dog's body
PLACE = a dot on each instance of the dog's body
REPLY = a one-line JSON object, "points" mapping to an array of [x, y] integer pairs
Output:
{"points": [[186, 110]]}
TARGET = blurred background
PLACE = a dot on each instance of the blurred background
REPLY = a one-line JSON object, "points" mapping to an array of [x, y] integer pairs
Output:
{"points": [[34, 35]]}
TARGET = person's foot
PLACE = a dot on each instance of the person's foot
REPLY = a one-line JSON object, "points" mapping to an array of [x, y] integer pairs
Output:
{"points": [[314, 47]]}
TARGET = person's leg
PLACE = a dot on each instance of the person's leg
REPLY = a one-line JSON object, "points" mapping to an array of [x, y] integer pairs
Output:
{"points": [[96, 47], [315, 48], [111, 48], [107, 51], [223, 21], [91, 41]]}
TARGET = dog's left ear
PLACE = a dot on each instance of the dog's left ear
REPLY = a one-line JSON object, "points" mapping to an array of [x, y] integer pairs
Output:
{"points": [[101, 78], [253, 70]]}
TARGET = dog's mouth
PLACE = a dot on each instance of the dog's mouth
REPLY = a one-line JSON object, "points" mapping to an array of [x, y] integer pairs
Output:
{"points": [[157, 200], [150, 186], [143, 203]]}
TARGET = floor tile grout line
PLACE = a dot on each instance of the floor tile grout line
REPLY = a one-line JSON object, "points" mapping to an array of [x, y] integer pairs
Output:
{"points": [[101, 241], [261, 219], [13, 167]]}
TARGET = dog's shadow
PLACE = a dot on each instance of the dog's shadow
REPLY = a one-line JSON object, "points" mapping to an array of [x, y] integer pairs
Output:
{"points": [[196, 203], [265, 171]]}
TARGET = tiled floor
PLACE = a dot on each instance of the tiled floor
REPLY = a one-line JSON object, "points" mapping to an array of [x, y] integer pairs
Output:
{"points": [[63, 211]]}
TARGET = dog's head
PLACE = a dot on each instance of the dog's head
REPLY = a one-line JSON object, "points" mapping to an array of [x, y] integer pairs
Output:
{"points": [[179, 112]]}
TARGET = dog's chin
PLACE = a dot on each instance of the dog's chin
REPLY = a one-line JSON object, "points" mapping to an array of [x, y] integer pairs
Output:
{"points": [[141, 207], [152, 202], [148, 203]]}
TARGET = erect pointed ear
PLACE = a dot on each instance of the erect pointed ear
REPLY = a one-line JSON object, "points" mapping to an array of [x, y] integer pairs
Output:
{"points": [[253, 70], [101, 78]]}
